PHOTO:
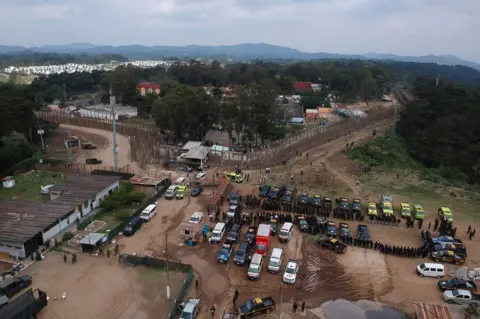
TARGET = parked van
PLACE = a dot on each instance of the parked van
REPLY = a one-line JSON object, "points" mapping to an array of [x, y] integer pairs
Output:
{"points": [[234, 210], [218, 233], [132, 227], [275, 261], [255, 267], [431, 270], [148, 212], [180, 181], [171, 191], [286, 232]]}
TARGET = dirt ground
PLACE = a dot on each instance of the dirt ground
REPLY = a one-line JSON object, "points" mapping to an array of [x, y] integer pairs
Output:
{"points": [[98, 287], [358, 274]]}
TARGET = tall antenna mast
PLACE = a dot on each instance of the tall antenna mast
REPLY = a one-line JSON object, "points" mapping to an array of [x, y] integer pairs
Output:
{"points": [[114, 129]]}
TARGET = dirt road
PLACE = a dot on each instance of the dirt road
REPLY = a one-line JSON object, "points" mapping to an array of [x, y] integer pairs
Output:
{"points": [[105, 153]]}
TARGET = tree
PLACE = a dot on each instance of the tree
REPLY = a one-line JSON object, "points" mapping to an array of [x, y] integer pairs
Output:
{"points": [[186, 111], [14, 147]]}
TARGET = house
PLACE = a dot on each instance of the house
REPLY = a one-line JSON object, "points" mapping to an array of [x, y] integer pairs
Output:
{"points": [[149, 185], [302, 86], [145, 88], [26, 225]]}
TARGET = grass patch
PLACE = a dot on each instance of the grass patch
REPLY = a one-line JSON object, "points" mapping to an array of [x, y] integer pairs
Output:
{"points": [[27, 186], [119, 215], [4, 78]]}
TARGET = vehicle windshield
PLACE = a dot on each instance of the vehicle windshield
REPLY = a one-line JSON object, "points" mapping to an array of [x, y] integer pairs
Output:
{"points": [[144, 214], [303, 223], [284, 233], [215, 235], [169, 192], [253, 270], [186, 315], [246, 307], [452, 282], [195, 219], [290, 271], [274, 262], [128, 228], [455, 293], [261, 247], [240, 253], [422, 266]]}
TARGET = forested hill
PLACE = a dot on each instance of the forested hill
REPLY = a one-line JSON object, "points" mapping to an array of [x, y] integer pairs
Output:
{"points": [[442, 129]]}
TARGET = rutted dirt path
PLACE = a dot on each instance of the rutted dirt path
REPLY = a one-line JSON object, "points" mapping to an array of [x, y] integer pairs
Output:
{"points": [[325, 156]]}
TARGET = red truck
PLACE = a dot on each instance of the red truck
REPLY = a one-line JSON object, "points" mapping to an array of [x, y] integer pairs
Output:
{"points": [[262, 242]]}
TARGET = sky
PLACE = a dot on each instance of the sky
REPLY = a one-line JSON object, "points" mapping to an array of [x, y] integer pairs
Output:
{"points": [[402, 27]]}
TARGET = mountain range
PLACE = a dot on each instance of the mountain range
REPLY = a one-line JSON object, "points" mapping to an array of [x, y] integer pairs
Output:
{"points": [[245, 51]]}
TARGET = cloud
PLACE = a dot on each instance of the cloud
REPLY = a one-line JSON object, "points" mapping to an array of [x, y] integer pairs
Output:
{"points": [[407, 27]]}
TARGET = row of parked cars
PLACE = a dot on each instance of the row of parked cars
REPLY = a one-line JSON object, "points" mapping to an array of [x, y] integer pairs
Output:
{"points": [[254, 249]]}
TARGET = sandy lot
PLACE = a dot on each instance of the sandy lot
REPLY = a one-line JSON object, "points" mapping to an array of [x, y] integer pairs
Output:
{"points": [[98, 287]]}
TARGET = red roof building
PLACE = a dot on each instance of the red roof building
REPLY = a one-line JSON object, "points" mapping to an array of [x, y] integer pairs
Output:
{"points": [[145, 88], [302, 86]]}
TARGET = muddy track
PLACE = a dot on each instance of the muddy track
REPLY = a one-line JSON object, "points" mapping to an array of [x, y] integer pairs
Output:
{"points": [[325, 155]]}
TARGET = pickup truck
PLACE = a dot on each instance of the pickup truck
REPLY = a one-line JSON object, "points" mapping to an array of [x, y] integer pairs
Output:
{"points": [[345, 230], [332, 244], [331, 229], [234, 198], [303, 198], [302, 223], [461, 297], [224, 254], [256, 306]]}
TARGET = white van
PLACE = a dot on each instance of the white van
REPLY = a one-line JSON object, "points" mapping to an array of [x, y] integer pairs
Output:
{"points": [[148, 212], [218, 233], [275, 261], [255, 267], [431, 270], [180, 181], [286, 232], [171, 191]]}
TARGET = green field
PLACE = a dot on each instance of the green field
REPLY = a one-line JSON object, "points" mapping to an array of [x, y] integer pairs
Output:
{"points": [[116, 217], [4, 78], [27, 186]]}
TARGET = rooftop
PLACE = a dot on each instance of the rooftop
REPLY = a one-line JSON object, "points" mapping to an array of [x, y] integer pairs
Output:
{"points": [[92, 239], [20, 220], [190, 144], [146, 180], [78, 189], [198, 152]]}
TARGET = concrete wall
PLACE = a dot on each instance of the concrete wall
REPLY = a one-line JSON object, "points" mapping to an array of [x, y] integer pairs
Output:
{"points": [[14, 249]]}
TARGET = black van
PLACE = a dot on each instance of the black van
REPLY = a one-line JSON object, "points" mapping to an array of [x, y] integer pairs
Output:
{"points": [[12, 285], [132, 227]]}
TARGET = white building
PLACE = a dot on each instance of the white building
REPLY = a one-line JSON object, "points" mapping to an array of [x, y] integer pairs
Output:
{"points": [[25, 225]]}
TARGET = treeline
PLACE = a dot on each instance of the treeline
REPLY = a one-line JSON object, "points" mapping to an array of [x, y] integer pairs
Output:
{"points": [[442, 129], [18, 126], [30, 58]]}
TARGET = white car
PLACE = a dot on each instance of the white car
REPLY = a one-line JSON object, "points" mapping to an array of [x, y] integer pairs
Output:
{"points": [[148, 212], [196, 218], [290, 275], [170, 193]]}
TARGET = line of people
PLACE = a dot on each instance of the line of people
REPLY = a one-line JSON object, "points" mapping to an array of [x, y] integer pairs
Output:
{"points": [[401, 251]]}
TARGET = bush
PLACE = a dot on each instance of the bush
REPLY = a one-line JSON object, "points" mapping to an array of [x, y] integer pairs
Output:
{"points": [[123, 215], [67, 236], [134, 197], [82, 225]]}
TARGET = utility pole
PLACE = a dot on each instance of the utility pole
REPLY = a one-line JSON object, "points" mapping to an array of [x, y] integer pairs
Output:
{"points": [[114, 129], [166, 259]]}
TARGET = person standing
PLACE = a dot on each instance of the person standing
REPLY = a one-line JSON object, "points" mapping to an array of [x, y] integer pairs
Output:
{"points": [[212, 311], [294, 307], [196, 284], [302, 308], [65, 258]]}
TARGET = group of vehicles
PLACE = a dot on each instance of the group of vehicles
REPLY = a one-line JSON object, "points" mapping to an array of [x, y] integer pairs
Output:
{"points": [[10, 286], [384, 208], [254, 249], [331, 241], [180, 188], [447, 249]]}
